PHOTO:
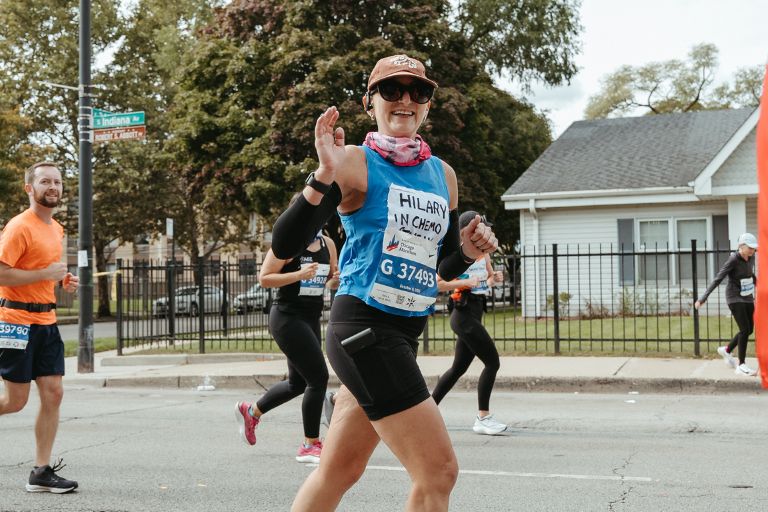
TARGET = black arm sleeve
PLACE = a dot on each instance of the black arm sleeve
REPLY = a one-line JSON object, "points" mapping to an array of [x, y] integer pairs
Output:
{"points": [[297, 226], [451, 262], [724, 271]]}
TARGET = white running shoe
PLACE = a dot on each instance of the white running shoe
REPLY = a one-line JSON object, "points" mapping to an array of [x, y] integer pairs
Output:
{"points": [[729, 359], [488, 425], [743, 369]]}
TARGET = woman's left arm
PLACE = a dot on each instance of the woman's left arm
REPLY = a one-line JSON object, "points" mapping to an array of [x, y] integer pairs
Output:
{"points": [[462, 247]]}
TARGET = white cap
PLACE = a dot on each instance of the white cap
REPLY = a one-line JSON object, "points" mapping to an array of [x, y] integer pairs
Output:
{"points": [[749, 240]]}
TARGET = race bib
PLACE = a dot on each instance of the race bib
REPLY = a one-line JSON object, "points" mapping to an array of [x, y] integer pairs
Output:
{"points": [[747, 287], [406, 278], [479, 270], [15, 336], [315, 286]]}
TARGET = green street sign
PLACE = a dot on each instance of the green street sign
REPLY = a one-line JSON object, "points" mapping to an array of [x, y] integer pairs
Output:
{"points": [[102, 119]]}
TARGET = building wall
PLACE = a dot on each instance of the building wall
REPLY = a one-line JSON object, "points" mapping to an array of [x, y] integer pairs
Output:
{"points": [[740, 167], [595, 281]]}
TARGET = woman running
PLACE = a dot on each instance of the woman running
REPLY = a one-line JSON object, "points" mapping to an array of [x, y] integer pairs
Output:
{"points": [[469, 301], [398, 207], [294, 322], [740, 297]]}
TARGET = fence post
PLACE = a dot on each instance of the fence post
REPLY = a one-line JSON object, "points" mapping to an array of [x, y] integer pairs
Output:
{"points": [[694, 275], [425, 336], [171, 288], [556, 299], [119, 293], [225, 298], [201, 304]]}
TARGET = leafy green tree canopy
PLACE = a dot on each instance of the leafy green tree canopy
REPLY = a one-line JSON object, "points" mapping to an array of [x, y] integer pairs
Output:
{"points": [[252, 87], [674, 86]]}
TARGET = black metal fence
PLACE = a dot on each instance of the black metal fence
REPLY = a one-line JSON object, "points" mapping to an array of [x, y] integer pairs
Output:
{"points": [[558, 299]]}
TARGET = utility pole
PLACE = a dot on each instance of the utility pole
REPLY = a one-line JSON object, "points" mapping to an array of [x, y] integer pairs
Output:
{"points": [[85, 217]]}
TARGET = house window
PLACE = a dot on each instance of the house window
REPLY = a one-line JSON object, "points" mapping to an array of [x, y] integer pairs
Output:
{"points": [[653, 237], [687, 230]]}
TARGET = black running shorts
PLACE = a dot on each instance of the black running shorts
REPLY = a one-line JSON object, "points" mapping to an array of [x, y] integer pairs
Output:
{"points": [[43, 356], [384, 377]]}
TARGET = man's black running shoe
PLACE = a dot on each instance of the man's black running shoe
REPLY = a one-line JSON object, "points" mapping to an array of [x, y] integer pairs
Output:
{"points": [[45, 479]]}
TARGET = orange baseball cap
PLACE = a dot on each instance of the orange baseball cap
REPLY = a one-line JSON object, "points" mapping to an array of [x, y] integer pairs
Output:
{"points": [[398, 65]]}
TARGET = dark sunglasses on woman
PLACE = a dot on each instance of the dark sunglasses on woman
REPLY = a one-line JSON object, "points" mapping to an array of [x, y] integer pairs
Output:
{"points": [[392, 90]]}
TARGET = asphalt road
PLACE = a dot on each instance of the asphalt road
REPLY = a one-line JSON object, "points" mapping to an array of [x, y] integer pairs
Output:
{"points": [[176, 450]]}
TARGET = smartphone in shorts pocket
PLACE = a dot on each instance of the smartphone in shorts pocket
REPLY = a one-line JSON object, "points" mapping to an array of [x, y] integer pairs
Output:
{"points": [[359, 341]]}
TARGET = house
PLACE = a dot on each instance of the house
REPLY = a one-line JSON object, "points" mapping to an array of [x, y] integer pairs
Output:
{"points": [[640, 185]]}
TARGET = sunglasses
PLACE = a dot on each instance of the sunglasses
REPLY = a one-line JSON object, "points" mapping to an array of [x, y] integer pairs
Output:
{"points": [[392, 90]]}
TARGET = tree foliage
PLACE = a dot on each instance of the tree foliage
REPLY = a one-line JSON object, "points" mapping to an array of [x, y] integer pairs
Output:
{"points": [[253, 86], [674, 86]]}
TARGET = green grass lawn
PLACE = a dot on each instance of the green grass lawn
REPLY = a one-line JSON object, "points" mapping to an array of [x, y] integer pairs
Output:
{"points": [[514, 335], [99, 345]]}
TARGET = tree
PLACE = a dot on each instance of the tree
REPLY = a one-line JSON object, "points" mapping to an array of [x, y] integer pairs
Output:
{"points": [[13, 161], [674, 86], [255, 83], [132, 180], [39, 43], [39, 48]]}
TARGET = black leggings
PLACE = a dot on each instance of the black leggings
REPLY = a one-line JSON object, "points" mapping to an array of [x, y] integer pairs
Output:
{"points": [[473, 340], [298, 336], [744, 314]]}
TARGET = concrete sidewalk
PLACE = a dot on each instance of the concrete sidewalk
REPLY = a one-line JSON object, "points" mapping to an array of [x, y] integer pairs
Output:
{"points": [[545, 373]]}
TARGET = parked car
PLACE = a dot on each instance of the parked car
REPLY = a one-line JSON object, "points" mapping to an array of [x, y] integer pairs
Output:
{"points": [[187, 299], [255, 298]]}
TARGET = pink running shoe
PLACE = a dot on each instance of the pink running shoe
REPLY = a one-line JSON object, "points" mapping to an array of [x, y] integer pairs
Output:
{"points": [[310, 454], [249, 423]]}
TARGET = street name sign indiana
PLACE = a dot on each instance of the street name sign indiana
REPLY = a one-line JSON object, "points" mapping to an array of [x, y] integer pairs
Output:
{"points": [[103, 119]]}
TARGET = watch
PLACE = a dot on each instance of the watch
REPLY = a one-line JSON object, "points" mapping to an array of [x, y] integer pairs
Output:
{"points": [[321, 187]]}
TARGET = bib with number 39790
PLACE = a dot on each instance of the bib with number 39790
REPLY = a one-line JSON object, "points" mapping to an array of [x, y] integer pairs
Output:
{"points": [[14, 336]]}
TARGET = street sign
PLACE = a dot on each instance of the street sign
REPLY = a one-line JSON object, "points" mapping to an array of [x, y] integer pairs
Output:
{"points": [[115, 134], [102, 119]]}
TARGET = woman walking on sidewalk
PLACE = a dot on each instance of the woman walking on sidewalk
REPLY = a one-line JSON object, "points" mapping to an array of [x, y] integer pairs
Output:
{"points": [[397, 204], [294, 322], [468, 303], [740, 297]]}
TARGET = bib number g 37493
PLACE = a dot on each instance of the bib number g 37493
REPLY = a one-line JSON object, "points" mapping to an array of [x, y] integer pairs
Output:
{"points": [[15, 336]]}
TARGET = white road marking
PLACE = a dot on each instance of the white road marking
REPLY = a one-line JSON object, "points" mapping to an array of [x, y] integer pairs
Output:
{"points": [[531, 475]]}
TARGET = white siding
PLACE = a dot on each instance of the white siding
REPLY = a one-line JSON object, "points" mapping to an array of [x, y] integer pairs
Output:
{"points": [[741, 166], [594, 282], [752, 215]]}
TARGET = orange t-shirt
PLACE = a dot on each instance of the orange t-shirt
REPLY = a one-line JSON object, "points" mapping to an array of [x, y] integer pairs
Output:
{"points": [[28, 243]]}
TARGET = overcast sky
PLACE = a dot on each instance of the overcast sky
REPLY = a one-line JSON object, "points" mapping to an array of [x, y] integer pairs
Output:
{"points": [[636, 32]]}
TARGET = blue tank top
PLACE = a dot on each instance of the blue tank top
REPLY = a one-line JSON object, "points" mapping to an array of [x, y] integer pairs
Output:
{"points": [[389, 258]]}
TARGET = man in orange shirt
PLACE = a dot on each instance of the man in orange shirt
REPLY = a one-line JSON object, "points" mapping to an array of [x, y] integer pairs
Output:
{"points": [[30, 345]]}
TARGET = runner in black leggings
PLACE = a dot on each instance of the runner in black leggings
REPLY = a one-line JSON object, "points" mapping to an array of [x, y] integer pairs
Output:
{"points": [[397, 205], [468, 303], [739, 268], [294, 322]]}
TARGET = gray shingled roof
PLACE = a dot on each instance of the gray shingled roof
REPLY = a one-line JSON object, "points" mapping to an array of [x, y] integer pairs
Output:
{"points": [[633, 152]]}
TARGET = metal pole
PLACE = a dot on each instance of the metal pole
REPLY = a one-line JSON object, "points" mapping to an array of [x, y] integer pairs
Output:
{"points": [[556, 299], [119, 292], [695, 291], [85, 216]]}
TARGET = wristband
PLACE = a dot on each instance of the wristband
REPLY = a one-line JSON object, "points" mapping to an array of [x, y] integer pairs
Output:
{"points": [[321, 187]]}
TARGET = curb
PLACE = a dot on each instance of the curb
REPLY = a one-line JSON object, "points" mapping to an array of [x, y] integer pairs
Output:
{"points": [[183, 359], [613, 385]]}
